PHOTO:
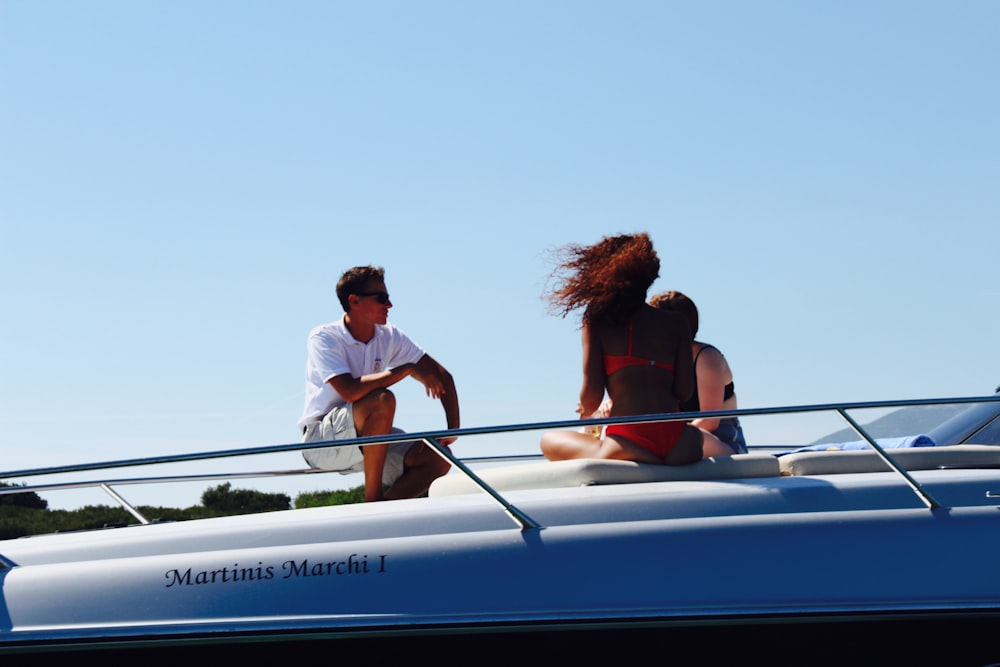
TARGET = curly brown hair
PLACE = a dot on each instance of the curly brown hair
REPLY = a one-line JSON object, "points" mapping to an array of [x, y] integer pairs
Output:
{"points": [[608, 280]]}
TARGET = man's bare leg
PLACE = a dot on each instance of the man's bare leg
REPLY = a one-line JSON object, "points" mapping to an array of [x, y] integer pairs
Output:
{"points": [[373, 415], [421, 466]]}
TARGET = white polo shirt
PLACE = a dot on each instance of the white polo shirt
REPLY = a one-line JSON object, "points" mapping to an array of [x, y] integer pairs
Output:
{"points": [[332, 350]]}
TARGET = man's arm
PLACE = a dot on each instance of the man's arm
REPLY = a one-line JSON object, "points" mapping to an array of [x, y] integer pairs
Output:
{"points": [[353, 389], [440, 385]]}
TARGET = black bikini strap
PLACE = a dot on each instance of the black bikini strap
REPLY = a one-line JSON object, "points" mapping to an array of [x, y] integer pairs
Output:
{"points": [[703, 348]]}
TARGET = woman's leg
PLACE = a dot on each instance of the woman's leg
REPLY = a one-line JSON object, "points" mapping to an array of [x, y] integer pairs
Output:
{"points": [[712, 446], [688, 449], [562, 445], [693, 445]]}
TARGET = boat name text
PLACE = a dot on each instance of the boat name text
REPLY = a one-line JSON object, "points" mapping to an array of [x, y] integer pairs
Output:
{"points": [[352, 565]]}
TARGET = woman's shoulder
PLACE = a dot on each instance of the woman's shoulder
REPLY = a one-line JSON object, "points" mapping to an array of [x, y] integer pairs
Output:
{"points": [[706, 354], [707, 349]]}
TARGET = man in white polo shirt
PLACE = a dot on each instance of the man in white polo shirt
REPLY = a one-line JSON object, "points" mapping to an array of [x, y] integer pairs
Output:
{"points": [[350, 366]]}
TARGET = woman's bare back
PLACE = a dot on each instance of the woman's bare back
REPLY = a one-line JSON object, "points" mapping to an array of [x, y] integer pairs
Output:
{"points": [[663, 339]]}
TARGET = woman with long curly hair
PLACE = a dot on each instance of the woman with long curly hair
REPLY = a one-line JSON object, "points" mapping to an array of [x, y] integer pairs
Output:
{"points": [[639, 355]]}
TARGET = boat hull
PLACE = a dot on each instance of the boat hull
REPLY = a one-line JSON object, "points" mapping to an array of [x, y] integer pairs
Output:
{"points": [[724, 587]]}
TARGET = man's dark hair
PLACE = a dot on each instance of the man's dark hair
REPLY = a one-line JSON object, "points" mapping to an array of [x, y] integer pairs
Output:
{"points": [[355, 280]]}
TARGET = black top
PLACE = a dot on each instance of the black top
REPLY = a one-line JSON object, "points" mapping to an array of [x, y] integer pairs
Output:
{"points": [[693, 404]]}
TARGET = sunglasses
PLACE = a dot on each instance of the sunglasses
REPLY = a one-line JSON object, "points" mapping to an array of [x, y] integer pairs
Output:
{"points": [[381, 297]]}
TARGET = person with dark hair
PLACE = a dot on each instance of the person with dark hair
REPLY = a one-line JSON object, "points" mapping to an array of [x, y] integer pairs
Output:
{"points": [[713, 378], [639, 355], [350, 365]]}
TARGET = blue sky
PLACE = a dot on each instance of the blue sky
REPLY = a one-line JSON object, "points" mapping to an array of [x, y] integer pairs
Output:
{"points": [[182, 182]]}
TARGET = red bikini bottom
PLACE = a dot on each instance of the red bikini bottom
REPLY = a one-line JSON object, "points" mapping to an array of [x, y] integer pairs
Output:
{"points": [[657, 437]]}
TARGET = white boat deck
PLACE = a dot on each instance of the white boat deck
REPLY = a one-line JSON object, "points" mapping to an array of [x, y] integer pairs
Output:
{"points": [[538, 544]]}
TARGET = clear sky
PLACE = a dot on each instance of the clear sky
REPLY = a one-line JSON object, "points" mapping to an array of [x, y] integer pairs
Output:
{"points": [[182, 182]]}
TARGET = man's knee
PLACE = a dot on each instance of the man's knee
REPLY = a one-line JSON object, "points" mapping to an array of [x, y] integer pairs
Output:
{"points": [[378, 398], [424, 457], [380, 403], [439, 467]]}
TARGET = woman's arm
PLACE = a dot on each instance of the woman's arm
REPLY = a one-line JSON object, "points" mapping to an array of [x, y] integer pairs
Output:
{"points": [[712, 374], [683, 362], [594, 381]]}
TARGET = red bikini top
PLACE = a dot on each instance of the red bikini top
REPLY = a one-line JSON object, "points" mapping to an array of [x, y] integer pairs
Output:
{"points": [[616, 362]]}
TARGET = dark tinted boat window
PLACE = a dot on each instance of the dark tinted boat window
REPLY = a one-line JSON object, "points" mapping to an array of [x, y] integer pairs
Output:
{"points": [[988, 435]]}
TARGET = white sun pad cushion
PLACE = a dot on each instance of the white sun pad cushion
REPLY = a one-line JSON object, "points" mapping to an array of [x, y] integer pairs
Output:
{"points": [[916, 458], [586, 472]]}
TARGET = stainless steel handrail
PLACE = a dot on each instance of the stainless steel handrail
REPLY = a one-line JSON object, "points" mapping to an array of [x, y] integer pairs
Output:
{"points": [[919, 490], [488, 430], [432, 438], [519, 517]]}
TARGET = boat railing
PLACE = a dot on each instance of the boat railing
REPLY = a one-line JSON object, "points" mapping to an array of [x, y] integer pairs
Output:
{"points": [[433, 438]]}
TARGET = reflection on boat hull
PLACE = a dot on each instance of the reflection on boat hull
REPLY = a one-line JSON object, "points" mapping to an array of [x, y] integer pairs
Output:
{"points": [[948, 638]]}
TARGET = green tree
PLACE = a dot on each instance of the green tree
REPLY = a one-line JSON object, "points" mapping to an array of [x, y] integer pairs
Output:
{"points": [[23, 514], [324, 498], [27, 499], [224, 499]]}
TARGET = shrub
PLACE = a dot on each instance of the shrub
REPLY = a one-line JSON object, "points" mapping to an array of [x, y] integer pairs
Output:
{"points": [[27, 499], [243, 501], [324, 498]]}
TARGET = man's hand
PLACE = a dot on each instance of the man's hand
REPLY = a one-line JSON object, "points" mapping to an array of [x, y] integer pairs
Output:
{"points": [[440, 385], [431, 377]]}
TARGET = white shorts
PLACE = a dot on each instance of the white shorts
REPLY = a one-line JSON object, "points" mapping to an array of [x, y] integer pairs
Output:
{"points": [[338, 424]]}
